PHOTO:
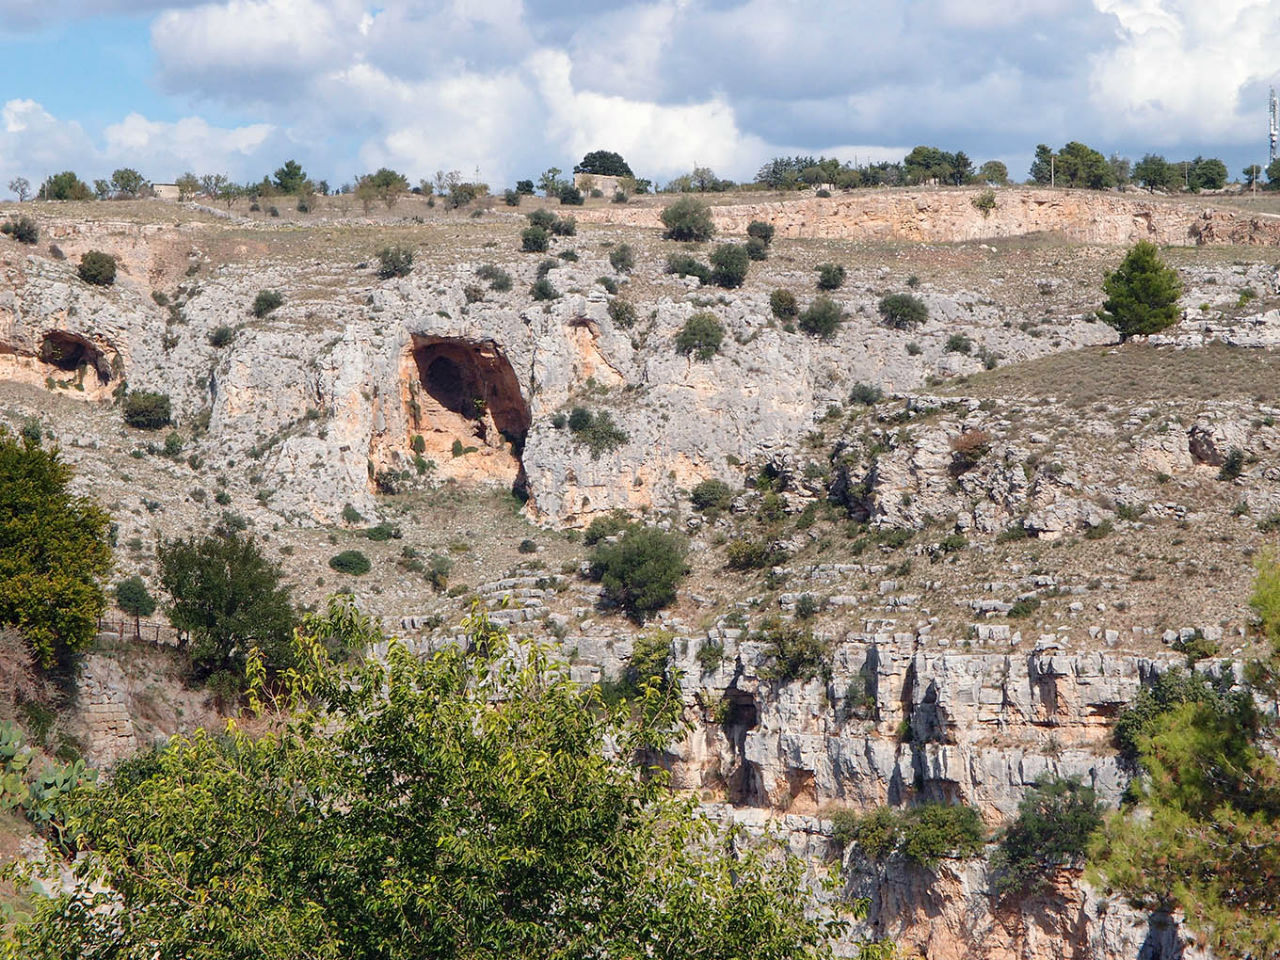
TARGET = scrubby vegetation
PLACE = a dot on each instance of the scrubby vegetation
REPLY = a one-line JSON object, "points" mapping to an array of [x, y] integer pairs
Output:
{"points": [[903, 311], [640, 570], [700, 336], [22, 229], [146, 410], [1055, 821], [97, 268], [688, 219], [596, 431], [729, 265], [265, 302], [394, 261], [821, 318], [925, 834]]}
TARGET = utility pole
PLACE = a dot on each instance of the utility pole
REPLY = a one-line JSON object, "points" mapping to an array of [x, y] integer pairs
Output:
{"points": [[1053, 180], [1275, 123]]}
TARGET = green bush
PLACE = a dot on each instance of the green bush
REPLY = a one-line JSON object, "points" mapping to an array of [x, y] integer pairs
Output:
{"points": [[1142, 293], [729, 265], [352, 562], [684, 265], [622, 312], [564, 227], [745, 554], [97, 268], [759, 230], [783, 305], [757, 249], [499, 280], [688, 220], [866, 394], [830, 276], [542, 289], [146, 410], [1232, 465], [640, 570], [601, 528], [267, 301], [511, 198], [711, 496], [24, 230], [822, 318], [535, 240], [221, 335], [902, 311], [925, 834], [541, 218], [958, 343], [596, 430], [622, 258], [571, 196], [394, 261], [700, 336], [793, 653]]}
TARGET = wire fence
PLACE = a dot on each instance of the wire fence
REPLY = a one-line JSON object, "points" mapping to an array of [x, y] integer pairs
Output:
{"points": [[143, 631]]}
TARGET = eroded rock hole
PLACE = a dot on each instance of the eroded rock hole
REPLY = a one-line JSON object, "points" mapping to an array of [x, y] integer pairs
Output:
{"points": [[70, 352], [468, 408]]}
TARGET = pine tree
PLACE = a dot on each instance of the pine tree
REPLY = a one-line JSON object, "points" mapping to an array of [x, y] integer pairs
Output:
{"points": [[1142, 293]]}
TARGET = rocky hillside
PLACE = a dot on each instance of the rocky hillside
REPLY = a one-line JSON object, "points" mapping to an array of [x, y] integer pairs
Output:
{"points": [[987, 532]]}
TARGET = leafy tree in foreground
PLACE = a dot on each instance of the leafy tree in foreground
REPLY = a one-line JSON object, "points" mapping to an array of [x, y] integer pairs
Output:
{"points": [[53, 552], [460, 807], [227, 595], [1142, 293]]}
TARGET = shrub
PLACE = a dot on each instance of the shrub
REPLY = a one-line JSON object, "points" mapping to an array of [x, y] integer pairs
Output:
{"points": [[622, 258], [1100, 530], [759, 230], [622, 312], [601, 528], [783, 304], [221, 335], [711, 496], [701, 336], [1024, 607], [541, 218], [757, 249], [968, 449], [640, 570], [499, 280], [831, 276], [1232, 465], [1142, 293], [571, 196], [570, 256], [542, 289], [566, 227], [984, 202], [958, 343], [545, 267], [688, 220], [866, 394], [902, 311], [822, 318], [351, 562], [745, 554], [511, 198], [24, 230], [524, 187], [97, 268], [535, 240], [266, 301], [794, 653], [685, 265], [610, 285], [394, 262], [620, 197], [729, 265], [596, 430], [925, 834], [146, 410]]}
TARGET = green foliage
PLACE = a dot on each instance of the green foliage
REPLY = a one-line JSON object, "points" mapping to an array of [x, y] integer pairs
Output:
{"points": [[604, 163], [1055, 820], [793, 652], [746, 554], [685, 265], [640, 570], [821, 318], [133, 597], [53, 553], [499, 280], [146, 410], [711, 496], [541, 218], [924, 834], [984, 202], [351, 562], [1023, 607], [1232, 464], [700, 336], [958, 343], [757, 249], [1147, 715], [543, 289], [227, 595], [782, 303], [128, 182], [902, 311], [1265, 599], [458, 806], [23, 229], [1142, 293], [535, 239], [394, 261], [564, 227], [601, 528], [65, 186], [571, 196], [596, 430], [689, 220], [830, 276], [759, 230], [648, 666], [221, 335], [622, 258], [729, 265], [97, 268], [622, 312], [867, 394], [290, 178]]}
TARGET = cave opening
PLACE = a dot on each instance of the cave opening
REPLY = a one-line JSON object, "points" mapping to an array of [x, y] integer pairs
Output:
{"points": [[466, 409], [70, 352]]}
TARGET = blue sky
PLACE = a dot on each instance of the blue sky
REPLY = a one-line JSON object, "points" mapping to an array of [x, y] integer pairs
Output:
{"points": [[511, 87]]}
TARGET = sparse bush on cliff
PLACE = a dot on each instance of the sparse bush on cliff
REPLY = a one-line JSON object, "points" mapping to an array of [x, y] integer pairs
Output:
{"points": [[700, 336], [684, 265], [351, 562], [266, 301], [688, 219], [902, 311], [394, 262], [146, 410], [783, 305], [761, 231], [535, 239], [499, 280], [622, 258], [711, 496], [822, 318], [729, 265], [23, 229], [97, 268], [757, 249], [596, 431], [1055, 820], [792, 652], [622, 312], [640, 570], [831, 276], [925, 834], [543, 289]]}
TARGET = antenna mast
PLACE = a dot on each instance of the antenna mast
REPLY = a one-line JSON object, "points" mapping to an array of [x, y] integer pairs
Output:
{"points": [[1275, 123]]}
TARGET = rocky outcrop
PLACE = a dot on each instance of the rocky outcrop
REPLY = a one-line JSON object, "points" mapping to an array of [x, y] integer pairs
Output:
{"points": [[943, 215]]}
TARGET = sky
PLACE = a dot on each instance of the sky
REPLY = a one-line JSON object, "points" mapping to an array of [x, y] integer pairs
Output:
{"points": [[508, 88]]}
